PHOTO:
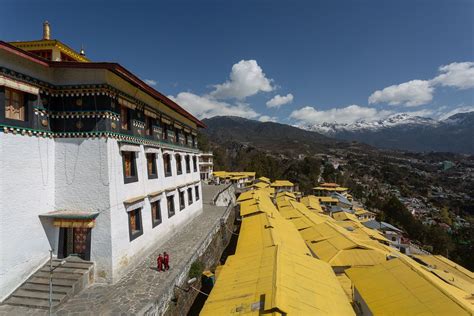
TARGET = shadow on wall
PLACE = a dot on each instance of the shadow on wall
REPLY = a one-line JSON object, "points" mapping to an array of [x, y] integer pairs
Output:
{"points": [[52, 233]]}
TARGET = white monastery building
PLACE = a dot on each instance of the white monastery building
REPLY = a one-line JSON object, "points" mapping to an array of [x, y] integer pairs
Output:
{"points": [[94, 163]]}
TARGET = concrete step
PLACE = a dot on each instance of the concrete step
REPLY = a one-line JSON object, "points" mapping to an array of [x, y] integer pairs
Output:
{"points": [[38, 295], [75, 265], [58, 275], [45, 288], [30, 302], [68, 279], [64, 270], [62, 282]]}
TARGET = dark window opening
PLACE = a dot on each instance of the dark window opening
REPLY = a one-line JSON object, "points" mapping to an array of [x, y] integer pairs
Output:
{"points": [[129, 166], [195, 164], [170, 204], [151, 166], [156, 218], [188, 164], [182, 203], [148, 126], [179, 167], [135, 223], [196, 189], [190, 196], [167, 164], [125, 118]]}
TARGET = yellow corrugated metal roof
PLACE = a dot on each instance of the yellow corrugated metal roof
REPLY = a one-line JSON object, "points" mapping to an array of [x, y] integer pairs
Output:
{"points": [[395, 287], [312, 202], [287, 194], [282, 183], [449, 271], [344, 216], [265, 179], [337, 189], [278, 280], [327, 199], [260, 185]]}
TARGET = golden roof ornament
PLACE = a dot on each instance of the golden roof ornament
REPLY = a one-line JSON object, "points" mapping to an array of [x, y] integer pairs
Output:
{"points": [[46, 31]]}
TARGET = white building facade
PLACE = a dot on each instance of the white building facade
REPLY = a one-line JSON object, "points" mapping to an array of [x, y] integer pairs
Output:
{"points": [[206, 165], [93, 163]]}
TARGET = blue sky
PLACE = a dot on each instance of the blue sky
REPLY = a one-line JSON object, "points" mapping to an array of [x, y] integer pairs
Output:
{"points": [[297, 62]]}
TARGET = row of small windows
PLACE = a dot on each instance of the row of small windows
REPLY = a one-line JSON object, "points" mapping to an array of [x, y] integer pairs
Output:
{"points": [[135, 222], [130, 165], [167, 133], [16, 109]]}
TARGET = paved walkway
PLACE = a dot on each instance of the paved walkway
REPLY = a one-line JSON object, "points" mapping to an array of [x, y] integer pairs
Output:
{"points": [[143, 285]]}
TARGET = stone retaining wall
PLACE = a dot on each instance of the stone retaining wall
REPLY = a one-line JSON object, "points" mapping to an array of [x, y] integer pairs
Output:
{"points": [[178, 301]]}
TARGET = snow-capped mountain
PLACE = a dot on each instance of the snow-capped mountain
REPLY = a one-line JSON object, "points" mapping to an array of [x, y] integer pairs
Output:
{"points": [[408, 132], [401, 119]]}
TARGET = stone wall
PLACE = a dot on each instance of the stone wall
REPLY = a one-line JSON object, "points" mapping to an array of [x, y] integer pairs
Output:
{"points": [[183, 300], [178, 301]]}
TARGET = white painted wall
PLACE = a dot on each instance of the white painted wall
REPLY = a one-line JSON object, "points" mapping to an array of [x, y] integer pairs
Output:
{"points": [[26, 190], [126, 253], [82, 184]]}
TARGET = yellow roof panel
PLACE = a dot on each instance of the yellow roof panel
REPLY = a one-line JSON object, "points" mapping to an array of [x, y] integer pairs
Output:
{"points": [[396, 288], [282, 183], [264, 179], [260, 185], [278, 280], [344, 216]]}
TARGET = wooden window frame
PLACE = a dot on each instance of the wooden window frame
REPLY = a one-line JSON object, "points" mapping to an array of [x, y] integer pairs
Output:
{"points": [[23, 108], [148, 125], [171, 210], [134, 174], [138, 218], [154, 172], [125, 124], [154, 221]]}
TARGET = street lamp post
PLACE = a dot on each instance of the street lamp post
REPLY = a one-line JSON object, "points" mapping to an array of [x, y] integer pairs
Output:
{"points": [[51, 269]]}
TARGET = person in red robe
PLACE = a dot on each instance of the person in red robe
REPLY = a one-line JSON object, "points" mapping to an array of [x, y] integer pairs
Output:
{"points": [[159, 262], [166, 261]]}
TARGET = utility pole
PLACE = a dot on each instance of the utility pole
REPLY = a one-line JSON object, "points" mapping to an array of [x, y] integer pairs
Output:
{"points": [[51, 269]]}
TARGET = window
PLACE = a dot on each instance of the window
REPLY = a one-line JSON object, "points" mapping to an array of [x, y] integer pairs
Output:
{"points": [[129, 167], [135, 223], [148, 126], [14, 105], [188, 164], [195, 164], [182, 203], [151, 166], [179, 165], [170, 202], [165, 132], [190, 196], [125, 117], [156, 218], [167, 164], [196, 189]]}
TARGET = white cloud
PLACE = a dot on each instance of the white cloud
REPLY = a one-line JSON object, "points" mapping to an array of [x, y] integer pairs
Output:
{"points": [[411, 93], [246, 79], [349, 114], [266, 118], [205, 106], [279, 100], [461, 109], [458, 75], [150, 82]]}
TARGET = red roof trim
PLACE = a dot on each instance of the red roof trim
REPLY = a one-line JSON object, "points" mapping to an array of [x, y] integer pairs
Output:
{"points": [[114, 67]]}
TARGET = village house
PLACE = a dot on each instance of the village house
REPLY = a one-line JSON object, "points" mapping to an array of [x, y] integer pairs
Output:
{"points": [[206, 165], [95, 163]]}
